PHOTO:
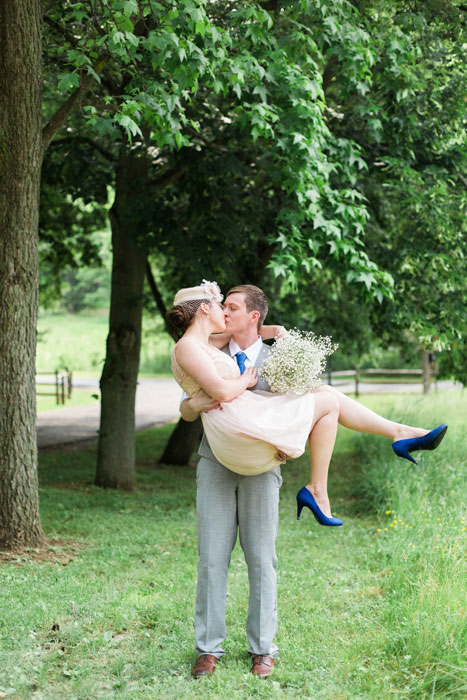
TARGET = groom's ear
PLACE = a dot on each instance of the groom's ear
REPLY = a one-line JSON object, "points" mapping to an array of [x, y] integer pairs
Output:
{"points": [[255, 316]]}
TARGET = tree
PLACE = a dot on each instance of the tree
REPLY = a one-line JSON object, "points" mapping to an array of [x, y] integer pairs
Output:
{"points": [[20, 163], [410, 127], [22, 142], [158, 66], [276, 81]]}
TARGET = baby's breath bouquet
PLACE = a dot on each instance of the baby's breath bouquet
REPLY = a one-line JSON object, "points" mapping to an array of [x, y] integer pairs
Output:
{"points": [[296, 362]]}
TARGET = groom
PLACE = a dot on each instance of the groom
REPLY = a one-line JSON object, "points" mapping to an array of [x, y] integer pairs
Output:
{"points": [[229, 503]]}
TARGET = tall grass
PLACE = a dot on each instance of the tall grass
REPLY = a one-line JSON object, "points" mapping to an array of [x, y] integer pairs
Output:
{"points": [[421, 542]]}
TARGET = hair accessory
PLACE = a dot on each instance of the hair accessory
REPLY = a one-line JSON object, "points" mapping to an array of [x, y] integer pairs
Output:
{"points": [[206, 290]]}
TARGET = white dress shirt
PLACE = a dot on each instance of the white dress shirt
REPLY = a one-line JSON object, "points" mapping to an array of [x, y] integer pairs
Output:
{"points": [[251, 353]]}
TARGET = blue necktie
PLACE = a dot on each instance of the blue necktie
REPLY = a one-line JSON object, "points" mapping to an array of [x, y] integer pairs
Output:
{"points": [[241, 357]]}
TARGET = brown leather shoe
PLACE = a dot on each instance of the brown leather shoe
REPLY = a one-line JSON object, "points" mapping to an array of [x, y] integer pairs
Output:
{"points": [[262, 666], [204, 666]]}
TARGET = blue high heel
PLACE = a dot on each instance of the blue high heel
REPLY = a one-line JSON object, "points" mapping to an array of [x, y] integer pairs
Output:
{"points": [[304, 498], [427, 442]]}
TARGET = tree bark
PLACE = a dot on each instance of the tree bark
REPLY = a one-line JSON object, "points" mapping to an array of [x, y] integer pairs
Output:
{"points": [[182, 442], [116, 449], [20, 164]]}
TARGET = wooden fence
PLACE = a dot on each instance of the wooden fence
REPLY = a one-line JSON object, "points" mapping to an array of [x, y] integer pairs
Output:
{"points": [[62, 382], [383, 376]]}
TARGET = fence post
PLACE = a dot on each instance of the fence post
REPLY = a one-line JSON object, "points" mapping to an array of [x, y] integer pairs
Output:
{"points": [[357, 379], [69, 382], [426, 371], [57, 387]]}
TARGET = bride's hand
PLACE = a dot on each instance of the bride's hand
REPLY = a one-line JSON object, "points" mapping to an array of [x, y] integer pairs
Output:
{"points": [[252, 374]]}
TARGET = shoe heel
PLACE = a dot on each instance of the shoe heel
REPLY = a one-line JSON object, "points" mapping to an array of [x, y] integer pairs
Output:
{"points": [[299, 510], [401, 451]]}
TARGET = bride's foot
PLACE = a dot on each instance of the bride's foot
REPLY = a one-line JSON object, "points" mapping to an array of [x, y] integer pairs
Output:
{"points": [[406, 432], [305, 497], [428, 440], [321, 499]]}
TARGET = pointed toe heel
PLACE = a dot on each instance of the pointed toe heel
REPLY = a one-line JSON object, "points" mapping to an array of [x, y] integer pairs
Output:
{"points": [[430, 441], [305, 499]]}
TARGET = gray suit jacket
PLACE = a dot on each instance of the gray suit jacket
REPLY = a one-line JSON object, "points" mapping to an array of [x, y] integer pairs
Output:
{"points": [[262, 385]]}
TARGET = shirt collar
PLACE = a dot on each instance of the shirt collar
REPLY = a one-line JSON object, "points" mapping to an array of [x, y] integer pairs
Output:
{"points": [[251, 352]]}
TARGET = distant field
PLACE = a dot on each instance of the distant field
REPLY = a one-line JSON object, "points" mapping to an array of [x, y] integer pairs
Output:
{"points": [[77, 341]]}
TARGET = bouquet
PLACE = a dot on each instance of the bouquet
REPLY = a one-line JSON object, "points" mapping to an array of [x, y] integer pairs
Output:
{"points": [[296, 362]]}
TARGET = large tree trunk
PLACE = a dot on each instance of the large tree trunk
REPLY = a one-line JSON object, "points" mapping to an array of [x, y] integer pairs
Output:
{"points": [[182, 442], [116, 449], [20, 164]]}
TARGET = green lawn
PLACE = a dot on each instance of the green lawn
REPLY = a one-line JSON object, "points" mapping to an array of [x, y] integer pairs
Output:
{"points": [[79, 397], [77, 341], [373, 610]]}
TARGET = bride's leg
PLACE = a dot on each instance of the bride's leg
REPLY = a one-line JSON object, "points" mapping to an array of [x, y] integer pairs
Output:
{"points": [[321, 444], [355, 416]]}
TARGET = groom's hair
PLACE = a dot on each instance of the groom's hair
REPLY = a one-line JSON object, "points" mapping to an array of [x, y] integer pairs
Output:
{"points": [[255, 299]]}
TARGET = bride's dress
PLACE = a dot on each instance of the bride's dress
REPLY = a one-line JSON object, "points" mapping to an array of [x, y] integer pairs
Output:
{"points": [[245, 435]]}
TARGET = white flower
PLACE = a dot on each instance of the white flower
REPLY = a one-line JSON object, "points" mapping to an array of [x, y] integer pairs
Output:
{"points": [[296, 362], [212, 290]]}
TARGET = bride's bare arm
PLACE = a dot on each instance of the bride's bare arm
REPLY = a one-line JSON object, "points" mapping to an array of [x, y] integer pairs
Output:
{"points": [[195, 362], [219, 340]]}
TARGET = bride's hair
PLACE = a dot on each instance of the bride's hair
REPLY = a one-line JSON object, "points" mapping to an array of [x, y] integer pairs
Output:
{"points": [[182, 315]]}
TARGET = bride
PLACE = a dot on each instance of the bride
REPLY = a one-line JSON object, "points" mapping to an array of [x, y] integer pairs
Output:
{"points": [[256, 431]]}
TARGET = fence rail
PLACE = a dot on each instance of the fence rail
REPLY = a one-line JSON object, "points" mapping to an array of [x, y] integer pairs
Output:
{"points": [[386, 376], [61, 380]]}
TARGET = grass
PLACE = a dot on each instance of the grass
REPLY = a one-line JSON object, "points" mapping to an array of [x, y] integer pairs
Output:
{"points": [[364, 611], [79, 397]]}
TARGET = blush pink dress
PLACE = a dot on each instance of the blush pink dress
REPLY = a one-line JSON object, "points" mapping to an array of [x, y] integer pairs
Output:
{"points": [[245, 435]]}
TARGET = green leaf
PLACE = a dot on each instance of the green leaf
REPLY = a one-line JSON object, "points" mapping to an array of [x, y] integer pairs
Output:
{"points": [[68, 81]]}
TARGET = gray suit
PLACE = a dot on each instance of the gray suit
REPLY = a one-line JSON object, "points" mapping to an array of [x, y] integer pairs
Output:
{"points": [[227, 502]]}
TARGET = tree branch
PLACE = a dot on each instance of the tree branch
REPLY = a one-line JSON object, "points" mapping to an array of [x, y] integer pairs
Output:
{"points": [[157, 297], [61, 30], [462, 179], [62, 114], [166, 179], [84, 139]]}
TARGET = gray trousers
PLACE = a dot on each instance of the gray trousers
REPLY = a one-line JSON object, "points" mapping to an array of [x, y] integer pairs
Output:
{"points": [[226, 503]]}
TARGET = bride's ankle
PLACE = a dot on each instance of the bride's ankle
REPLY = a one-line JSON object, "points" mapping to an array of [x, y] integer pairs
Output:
{"points": [[318, 492], [406, 433]]}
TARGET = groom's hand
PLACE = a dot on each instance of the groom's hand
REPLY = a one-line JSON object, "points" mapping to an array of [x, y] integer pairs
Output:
{"points": [[199, 403], [202, 402]]}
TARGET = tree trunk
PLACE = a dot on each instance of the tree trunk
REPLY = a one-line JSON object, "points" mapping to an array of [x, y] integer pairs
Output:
{"points": [[20, 164], [183, 441], [116, 449]]}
